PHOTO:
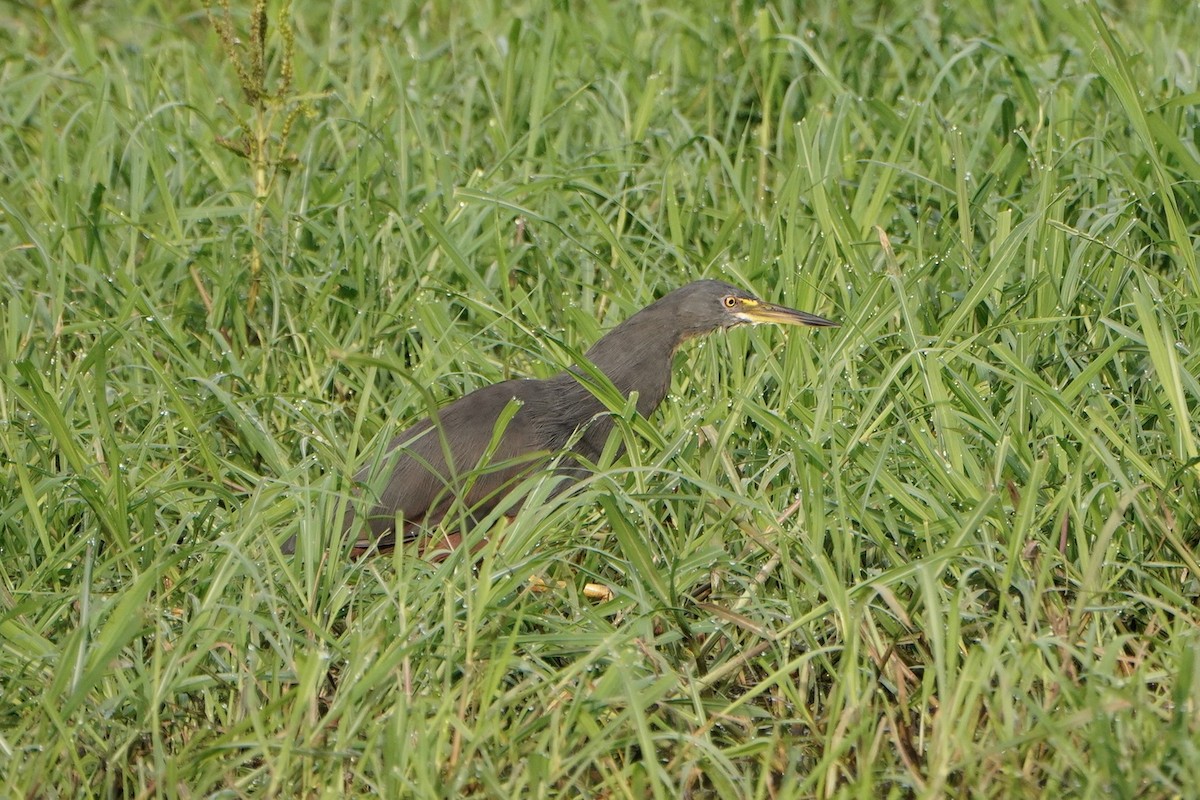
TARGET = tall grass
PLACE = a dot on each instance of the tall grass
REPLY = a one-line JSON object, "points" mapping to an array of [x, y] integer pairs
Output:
{"points": [[947, 549]]}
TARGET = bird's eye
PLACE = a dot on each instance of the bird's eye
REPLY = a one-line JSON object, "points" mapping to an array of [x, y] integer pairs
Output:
{"points": [[731, 302]]}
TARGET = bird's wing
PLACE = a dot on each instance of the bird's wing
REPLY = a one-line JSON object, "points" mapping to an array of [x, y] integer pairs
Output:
{"points": [[420, 483]]}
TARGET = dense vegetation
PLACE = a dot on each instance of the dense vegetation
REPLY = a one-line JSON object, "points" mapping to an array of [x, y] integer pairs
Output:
{"points": [[949, 548]]}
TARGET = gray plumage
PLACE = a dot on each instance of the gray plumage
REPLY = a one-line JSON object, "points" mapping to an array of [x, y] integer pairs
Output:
{"points": [[554, 413]]}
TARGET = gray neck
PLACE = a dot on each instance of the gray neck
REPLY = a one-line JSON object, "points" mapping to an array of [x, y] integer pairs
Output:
{"points": [[636, 355]]}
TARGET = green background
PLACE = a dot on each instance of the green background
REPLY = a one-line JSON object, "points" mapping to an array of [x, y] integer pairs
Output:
{"points": [[947, 549]]}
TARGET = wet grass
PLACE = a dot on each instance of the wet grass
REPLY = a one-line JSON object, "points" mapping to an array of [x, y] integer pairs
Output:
{"points": [[947, 549]]}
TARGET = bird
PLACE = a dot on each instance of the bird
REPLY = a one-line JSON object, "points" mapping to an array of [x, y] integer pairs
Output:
{"points": [[433, 464]]}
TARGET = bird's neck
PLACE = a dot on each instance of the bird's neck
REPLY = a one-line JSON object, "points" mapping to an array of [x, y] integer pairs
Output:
{"points": [[636, 356]]}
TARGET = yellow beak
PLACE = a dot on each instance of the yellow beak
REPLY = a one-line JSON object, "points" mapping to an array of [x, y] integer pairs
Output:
{"points": [[756, 312]]}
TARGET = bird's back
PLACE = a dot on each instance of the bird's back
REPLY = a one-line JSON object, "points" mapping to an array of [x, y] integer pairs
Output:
{"points": [[437, 460]]}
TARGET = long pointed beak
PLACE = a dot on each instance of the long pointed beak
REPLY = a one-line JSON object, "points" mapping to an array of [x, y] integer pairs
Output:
{"points": [[760, 312]]}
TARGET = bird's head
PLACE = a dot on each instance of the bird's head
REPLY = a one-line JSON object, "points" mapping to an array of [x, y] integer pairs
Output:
{"points": [[706, 306]]}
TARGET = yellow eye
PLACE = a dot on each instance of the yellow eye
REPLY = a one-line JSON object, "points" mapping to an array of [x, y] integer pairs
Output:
{"points": [[731, 302]]}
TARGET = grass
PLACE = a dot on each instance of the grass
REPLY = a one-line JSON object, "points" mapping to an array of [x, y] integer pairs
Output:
{"points": [[949, 549]]}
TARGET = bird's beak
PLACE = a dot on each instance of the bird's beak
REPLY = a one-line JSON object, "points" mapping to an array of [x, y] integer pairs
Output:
{"points": [[757, 312]]}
